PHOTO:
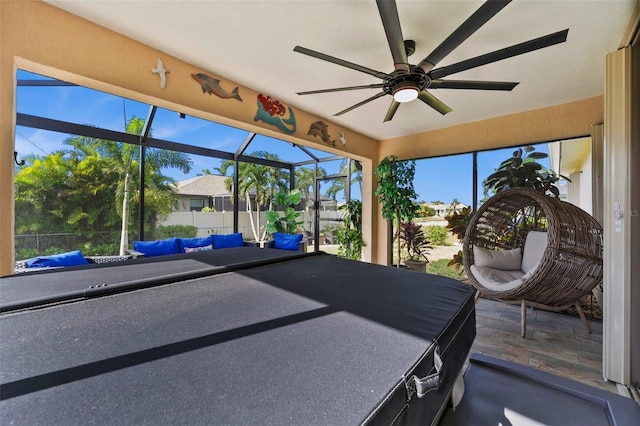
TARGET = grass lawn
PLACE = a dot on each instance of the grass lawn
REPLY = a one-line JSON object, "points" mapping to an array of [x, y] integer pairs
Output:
{"points": [[439, 267]]}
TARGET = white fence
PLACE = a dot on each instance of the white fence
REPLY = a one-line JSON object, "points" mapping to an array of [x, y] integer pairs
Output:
{"points": [[222, 222]]}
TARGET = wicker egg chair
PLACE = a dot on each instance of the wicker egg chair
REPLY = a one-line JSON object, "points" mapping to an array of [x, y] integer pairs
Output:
{"points": [[570, 265]]}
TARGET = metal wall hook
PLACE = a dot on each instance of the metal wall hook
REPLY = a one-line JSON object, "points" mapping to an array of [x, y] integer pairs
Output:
{"points": [[15, 158]]}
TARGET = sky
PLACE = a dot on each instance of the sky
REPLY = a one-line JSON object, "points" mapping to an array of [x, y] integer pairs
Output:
{"points": [[436, 179]]}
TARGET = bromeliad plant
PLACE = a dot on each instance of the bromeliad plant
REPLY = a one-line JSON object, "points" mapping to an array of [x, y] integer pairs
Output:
{"points": [[415, 242], [287, 224]]}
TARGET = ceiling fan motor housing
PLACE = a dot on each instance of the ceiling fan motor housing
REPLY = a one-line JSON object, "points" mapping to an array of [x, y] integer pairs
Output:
{"points": [[400, 80]]}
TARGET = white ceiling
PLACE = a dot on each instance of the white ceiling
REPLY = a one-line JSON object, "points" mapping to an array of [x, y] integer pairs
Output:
{"points": [[251, 43]]}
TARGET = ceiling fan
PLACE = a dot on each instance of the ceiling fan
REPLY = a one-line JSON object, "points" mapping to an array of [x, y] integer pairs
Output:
{"points": [[409, 82]]}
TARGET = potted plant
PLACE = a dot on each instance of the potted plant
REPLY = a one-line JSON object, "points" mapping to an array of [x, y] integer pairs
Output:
{"points": [[349, 236], [396, 192], [288, 223], [415, 243]]}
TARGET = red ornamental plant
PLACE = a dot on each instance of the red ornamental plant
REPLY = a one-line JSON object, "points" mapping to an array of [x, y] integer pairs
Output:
{"points": [[412, 237]]}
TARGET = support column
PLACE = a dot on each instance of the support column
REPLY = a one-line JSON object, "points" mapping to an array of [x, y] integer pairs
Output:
{"points": [[617, 217]]}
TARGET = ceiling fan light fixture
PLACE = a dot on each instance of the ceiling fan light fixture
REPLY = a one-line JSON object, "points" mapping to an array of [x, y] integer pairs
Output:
{"points": [[405, 94]]}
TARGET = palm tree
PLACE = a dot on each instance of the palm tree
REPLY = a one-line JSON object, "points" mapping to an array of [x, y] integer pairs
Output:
{"points": [[305, 183], [125, 159], [339, 185], [260, 181]]}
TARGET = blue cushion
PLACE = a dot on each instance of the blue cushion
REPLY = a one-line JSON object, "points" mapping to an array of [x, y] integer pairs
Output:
{"points": [[194, 242], [287, 241], [228, 240], [158, 247], [71, 258]]}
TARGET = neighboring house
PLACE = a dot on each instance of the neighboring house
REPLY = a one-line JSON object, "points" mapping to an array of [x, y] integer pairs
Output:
{"points": [[443, 210], [199, 192], [574, 160], [205, 191]]}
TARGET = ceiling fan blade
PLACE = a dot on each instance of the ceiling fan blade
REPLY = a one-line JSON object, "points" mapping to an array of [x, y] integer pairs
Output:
{"points": [[480, 17], [434, 102], [392, 110], [472, 85], [359, 104], [340, 62], [391, 23], [498, 55], [342, 89]]}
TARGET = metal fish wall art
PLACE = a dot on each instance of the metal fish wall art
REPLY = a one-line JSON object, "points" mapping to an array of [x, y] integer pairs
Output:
{"points": [[320, 128], [212, 85]]}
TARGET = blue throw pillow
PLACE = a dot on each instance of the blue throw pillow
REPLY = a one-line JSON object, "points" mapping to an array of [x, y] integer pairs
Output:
{"points": [[228, 240], [71, 258], [158, 247], [287, 241], [197, 249], [194, 242]]}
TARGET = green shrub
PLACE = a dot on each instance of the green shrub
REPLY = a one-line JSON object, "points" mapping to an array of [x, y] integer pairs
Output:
{"points": [[438, 235], [26, 253], [100, 249], [179, 231]]}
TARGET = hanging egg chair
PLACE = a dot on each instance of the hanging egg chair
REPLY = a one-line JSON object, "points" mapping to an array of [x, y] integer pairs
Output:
{"points": [[524, 247]]}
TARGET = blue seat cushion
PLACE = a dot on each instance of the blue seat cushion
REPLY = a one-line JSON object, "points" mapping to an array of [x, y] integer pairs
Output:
{"points": [[158, 247], [71, 258], [194, 242], [287, 241], [228, 240]]}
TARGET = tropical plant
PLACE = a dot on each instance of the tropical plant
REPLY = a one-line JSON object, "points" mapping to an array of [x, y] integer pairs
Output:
{"points": [[349, 236], [414, 241], [457, 225], [305, 181], [426, 211], [257, 182], [438, 235], [124, 159], [65, 193], [523, 171], [182, 231], [288, 223], [396, 192]]}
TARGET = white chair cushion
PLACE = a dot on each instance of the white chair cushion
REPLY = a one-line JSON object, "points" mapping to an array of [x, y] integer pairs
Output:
{"points": [[534, 248], [497, 279], [506, 260]]}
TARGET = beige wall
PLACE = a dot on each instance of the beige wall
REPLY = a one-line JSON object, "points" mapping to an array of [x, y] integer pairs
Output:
{"points": [[40, 38], [541, 125]]}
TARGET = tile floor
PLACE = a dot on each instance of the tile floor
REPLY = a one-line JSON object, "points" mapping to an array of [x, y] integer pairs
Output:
{"points": [[555, 343]]}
